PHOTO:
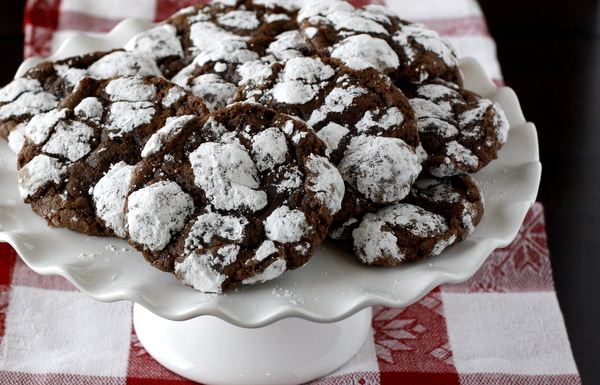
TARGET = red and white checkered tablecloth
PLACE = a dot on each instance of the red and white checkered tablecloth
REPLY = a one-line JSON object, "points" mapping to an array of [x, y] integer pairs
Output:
{"points": [[502, 326]]}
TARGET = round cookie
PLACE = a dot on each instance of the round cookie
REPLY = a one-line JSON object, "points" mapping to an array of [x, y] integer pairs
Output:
{"points": [[437, 213], [366, 122], [42, 87], [374, 37], [74, 165], [235, 197], [204, 24], [220, 68], [460, 131]]}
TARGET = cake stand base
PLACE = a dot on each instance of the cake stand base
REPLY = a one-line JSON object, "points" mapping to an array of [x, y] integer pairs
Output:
{"points": [[209, 350]]}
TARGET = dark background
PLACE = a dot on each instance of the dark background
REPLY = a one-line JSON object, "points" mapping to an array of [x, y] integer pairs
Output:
{"points": [[549, 52]]}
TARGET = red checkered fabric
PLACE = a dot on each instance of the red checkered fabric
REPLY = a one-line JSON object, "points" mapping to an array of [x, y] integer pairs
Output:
{"points": [[502, 326]]}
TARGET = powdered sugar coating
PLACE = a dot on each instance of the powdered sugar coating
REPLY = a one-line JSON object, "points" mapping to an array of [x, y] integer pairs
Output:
{"points": [[271, 4], [390, 118], [383, 169], [300, 80], [130, 89], [155, 212], [200, 270], [286, 225], [39, 127], [157, 43], [364, 51], [121, 63], [332, 135], [40, 171], [323, 8], [228, 51], [337, 101], [174, 95], [239, 19], [287, 45], [326, 182], [90, 108], [70, 140], [212, 88], [211, 225], [204, 34], [109, 196], [228, 175], [429, 40], [356, 22], [274, 270], [168, 131], [28, 104], [126, 116], [371, 37], [269, 148], [16, 138], [254, 176], [19, 86], [460, 130]]}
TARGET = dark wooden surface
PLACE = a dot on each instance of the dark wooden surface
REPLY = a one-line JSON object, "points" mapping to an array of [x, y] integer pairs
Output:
{"points": [[550, 55]]}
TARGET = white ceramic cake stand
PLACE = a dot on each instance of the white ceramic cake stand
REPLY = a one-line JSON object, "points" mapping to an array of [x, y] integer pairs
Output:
{"points": [[297, 327]]}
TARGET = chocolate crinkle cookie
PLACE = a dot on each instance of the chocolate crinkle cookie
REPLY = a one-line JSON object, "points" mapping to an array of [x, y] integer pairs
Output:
{"points": [[71, 152], [43, 87], [374, 37], [366, 122], [460, 131], [437, 213], [202, 25], [237, 196]]}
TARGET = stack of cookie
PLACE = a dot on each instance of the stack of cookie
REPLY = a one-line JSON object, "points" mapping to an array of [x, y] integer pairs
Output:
{"points": [[227, 142]]}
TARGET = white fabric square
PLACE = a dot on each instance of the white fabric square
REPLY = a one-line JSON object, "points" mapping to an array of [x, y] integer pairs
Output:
{"points": [[50, 331], [516, 333], [111, 9]]}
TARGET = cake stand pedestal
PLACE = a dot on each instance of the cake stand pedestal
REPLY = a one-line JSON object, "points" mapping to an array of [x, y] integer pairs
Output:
{"points": [[209, 350]]}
